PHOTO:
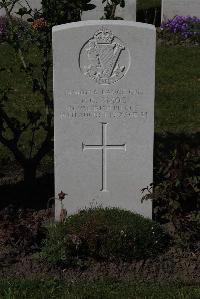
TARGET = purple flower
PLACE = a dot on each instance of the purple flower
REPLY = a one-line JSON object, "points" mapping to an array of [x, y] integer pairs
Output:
{"points": [[186, 26]]}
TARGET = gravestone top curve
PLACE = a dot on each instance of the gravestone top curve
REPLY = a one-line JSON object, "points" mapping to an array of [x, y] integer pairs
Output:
{"points": [[103, 23], [172, 8]]}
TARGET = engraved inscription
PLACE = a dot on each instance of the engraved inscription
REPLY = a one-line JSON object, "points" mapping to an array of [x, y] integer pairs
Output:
{"points": [[103, 91], [104, 58], [104, 104], [142, 115], [104, 147]]}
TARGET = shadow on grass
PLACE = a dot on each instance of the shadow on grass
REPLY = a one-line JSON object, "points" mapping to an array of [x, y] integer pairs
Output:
{"points": [[40, 197], [177, 151], [168, 142]]}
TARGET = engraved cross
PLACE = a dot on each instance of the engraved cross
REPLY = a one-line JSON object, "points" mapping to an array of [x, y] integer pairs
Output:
{"points": [[104, 147]]}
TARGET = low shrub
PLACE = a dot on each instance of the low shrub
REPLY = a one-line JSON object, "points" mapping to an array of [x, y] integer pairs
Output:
{"points": [[176, 189], [102, 234]]}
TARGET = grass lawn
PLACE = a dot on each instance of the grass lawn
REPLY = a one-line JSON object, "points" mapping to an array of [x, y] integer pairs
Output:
{"points": [[177, 91], [95, 290]]}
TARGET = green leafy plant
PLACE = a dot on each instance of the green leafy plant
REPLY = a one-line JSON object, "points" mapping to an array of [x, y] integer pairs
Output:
{"points": [[110, 9], [21, 37], [102, 234], [65, 11], [34, 122], [175, 193]]}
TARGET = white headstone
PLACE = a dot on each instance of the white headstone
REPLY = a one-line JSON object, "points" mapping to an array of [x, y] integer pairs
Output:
{"points": [[33, 4], [172, 8], [104, 73], [127, 13]]}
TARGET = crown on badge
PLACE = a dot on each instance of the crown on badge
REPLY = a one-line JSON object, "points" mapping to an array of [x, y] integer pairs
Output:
{"points": [[104, 36]]}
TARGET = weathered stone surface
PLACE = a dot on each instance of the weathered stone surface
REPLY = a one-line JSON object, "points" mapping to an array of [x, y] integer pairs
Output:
{"points": [[104, 73], [171, 8]]}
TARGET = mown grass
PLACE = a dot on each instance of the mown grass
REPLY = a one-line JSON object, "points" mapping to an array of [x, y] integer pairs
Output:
{"points": [[105, 289], [177, 91]]}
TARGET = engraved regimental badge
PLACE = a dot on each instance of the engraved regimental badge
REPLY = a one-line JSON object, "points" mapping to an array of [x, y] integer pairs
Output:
{"points": [[104, 58]]}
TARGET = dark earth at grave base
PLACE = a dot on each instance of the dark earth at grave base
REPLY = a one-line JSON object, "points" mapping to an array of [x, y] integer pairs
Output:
{"points": [[13, 192]]}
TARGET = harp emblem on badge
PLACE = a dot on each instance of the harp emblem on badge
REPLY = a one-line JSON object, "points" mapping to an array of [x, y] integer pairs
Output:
{"points": [[103, 53]]}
